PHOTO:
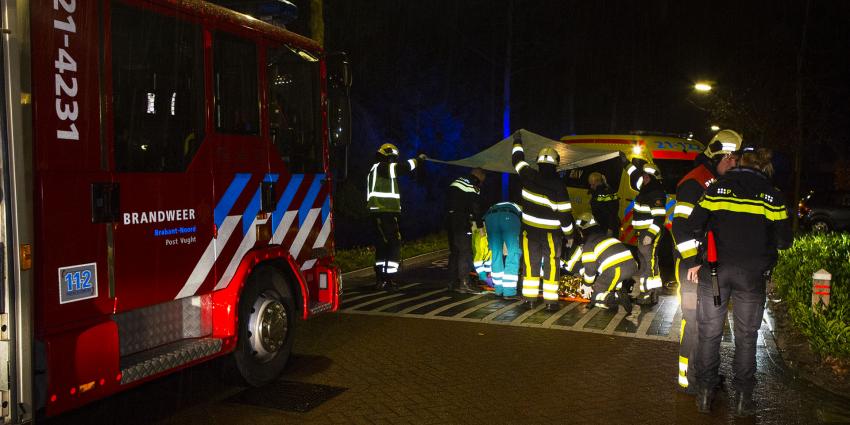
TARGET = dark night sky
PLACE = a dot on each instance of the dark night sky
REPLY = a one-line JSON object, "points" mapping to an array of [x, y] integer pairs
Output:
{"points": [[428, 75]]}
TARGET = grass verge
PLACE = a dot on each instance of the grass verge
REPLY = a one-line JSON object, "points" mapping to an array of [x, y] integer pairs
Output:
{"points": [[360, 257]]}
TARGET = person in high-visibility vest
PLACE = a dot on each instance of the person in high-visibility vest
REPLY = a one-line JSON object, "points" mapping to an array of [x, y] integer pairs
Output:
{"points": [[749, 220], [503, 222], [605, 266], [383, 200], [462, 209], [719, 156], [481, 257], [648, 221], [546, 218]]}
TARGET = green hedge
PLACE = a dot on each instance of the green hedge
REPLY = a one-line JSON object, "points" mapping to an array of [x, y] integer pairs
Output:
{"points": [[828, 331], [358, 258]]}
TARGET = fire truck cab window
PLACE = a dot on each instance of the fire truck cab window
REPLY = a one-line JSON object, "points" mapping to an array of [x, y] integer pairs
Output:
{"points": [[157, 91], [294, 117], [236, 104]]}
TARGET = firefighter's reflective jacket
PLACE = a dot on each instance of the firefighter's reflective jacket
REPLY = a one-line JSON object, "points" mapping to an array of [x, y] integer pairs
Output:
{"points": [[688, 193], [650, 209], [382, 194], [545, 201], [748, 217], [597, 254], [463, 198]]}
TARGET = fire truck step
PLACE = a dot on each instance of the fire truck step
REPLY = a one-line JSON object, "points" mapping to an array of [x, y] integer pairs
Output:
{"points": [[169, 356], [316, 308]]}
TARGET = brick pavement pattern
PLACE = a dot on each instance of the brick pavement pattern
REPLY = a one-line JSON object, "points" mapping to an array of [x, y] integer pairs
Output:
{"points": [[408, 371]]}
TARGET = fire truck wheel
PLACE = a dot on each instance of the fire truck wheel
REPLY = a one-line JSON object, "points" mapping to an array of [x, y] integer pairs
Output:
{"points": [[266, 327]]}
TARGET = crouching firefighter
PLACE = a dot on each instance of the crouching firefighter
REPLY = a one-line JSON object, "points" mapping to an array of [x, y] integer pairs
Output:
{"points": [[384, 202], [606, 265], [546, 216], [647, 220]]}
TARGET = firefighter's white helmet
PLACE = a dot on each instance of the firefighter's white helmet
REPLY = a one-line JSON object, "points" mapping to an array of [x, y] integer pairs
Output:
{"points": [[724, 142], [548, 156]]}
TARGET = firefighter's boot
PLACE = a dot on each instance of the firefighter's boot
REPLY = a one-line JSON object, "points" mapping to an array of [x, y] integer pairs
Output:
{"points": [[624, 300], [390, 285], [705, 397], [744, 405], [465, 288]]}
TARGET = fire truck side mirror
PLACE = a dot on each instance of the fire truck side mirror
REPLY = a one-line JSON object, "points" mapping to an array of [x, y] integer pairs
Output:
{"points": [[339, 112], [339, 101]]}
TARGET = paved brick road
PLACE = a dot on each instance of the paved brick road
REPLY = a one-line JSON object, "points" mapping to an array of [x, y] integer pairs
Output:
{"points": [[402, 366]]}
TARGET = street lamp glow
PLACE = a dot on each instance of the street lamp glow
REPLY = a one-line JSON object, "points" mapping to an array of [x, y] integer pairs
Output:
{"points": [[715, 128], [702, 87]]}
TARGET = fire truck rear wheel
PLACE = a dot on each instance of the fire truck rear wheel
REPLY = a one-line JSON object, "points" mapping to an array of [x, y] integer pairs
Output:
{"points": [[266, 327]]}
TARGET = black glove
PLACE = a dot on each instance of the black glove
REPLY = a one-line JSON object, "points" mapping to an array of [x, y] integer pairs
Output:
{"points": [[517, 138], [624, 160], [421, 156], [638, 162]]}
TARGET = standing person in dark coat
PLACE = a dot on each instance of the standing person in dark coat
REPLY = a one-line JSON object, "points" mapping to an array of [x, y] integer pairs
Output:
{"points": [[720, 156], [463, 208], [748, 218], [604, 204]]}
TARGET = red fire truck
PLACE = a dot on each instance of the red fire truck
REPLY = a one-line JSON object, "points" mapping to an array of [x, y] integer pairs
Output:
{"points": [[166, 194]]}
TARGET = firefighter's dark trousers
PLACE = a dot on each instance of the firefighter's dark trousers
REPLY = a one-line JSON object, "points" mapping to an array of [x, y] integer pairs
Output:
{"points": [[746, 289], [649, 276], [387, 245], [687, 294], [541, 250], [459, 230], [605, 285]]}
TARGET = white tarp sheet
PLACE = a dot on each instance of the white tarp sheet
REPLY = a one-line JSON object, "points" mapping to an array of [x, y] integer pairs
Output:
{"points": [[498, 157]]}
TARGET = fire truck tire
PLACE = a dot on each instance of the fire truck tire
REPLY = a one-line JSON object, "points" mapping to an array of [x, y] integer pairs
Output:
{"points": [[267, 320]]}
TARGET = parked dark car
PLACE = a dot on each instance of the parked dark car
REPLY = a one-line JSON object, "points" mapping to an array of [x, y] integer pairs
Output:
{"points": [[825, 211]]}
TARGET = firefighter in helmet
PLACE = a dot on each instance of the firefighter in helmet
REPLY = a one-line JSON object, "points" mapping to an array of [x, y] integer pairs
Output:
{"points": [[720, 156], [647, 220], [749, 220], [546, 218], [605, 266], [463, 206], [383, 199]]}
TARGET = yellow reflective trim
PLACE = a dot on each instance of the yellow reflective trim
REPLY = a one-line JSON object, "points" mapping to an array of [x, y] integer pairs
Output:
{"points": [[528, 267], [615, 280], [571, 263], [746, 206], [553, 266], [602, 246]]}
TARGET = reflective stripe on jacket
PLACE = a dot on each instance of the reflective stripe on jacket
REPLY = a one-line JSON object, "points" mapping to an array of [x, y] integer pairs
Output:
{"points": [[688, 193], [545, 201]]}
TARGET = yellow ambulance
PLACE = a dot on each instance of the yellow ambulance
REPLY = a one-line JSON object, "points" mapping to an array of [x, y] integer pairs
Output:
{"points": [[673, 155]]}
